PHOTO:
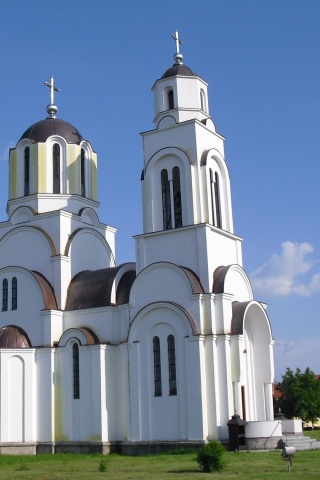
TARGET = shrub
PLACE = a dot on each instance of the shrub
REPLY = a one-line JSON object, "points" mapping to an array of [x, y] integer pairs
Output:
{"points": [[103, 465], [210, 457]]}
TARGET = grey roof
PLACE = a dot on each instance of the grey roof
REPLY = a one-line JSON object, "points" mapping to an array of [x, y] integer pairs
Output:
{"points": [[178, 69], [41, 131]]}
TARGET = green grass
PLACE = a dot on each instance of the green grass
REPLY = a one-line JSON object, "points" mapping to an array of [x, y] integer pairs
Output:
{"points": [[240, 466], [315, 433]]}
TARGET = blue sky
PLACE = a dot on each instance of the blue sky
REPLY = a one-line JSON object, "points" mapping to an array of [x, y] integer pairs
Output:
{"points": [[261, 60]]}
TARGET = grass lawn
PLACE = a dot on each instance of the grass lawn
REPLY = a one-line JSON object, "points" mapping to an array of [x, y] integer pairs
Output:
{"points": [[315, 433], [268, 465]]}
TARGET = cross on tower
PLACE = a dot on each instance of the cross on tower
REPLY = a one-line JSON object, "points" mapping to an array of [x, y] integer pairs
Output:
{"points": [[52, 89], [178, 42]]}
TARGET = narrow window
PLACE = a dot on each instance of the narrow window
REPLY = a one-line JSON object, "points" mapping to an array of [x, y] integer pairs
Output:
{"points": [[5, 295], [177, 198], [172, 366], [157, 367], [202, 101], [217, 200], [56, 168], [83, 173], [26, 171], [76, 379], [14, 294], [170, 100], [166, 203]]}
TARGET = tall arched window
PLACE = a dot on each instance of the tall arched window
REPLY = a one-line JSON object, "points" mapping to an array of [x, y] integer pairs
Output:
{"points": [[56, 168], [5, 295], [177, 198], [76, 375], [157, 367], [215, 199], [14, 294], [170, 100], [166, 203], [172, 366], [26, 171], [83, 173]]}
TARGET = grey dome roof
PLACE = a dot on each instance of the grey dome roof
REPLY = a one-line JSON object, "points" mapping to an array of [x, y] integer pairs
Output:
{"points": [[179, 69], [41, 131], [14, 337]]}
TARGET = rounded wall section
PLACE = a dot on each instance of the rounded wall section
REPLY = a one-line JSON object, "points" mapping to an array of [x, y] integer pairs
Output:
{"points": [[88, 250]]}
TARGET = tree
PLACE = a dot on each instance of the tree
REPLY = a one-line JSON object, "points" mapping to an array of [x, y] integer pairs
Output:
{"points": [[300, 395]]}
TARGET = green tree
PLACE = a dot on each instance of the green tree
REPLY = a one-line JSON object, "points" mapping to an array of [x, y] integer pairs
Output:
{"points": [[300, 395]]}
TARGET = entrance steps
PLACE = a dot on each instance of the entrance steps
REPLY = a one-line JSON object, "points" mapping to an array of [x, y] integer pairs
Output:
{"points": [[300, 441]]}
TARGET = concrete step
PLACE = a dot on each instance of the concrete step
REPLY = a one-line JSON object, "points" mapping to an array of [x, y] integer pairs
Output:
{"points": [[301, 442]]}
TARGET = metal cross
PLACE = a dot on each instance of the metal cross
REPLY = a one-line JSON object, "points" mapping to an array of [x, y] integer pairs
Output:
{"points": [[52, 89], [176, 38]]}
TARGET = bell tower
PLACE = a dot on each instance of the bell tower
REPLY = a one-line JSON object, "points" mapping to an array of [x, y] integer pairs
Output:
{"points": [[186, 195]]}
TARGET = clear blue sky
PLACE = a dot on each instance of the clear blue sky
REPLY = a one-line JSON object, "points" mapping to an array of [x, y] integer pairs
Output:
{"points": [[261, 60]]}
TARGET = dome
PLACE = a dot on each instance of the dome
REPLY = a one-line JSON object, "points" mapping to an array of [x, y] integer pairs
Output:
{"points": [[41, 131], [179, 69], [14, 337]]}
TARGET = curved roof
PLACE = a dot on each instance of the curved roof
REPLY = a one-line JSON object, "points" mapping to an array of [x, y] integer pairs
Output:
{"points": [[93, 288], [179, 69], [47, 291], [14, 337], [41, 131]]}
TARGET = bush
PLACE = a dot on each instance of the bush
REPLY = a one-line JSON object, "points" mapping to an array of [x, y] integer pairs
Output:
{"points": [[210, 457], [103, 465]]}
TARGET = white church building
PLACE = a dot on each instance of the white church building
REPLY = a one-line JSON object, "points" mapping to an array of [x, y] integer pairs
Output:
{"points": [[97, 356]]}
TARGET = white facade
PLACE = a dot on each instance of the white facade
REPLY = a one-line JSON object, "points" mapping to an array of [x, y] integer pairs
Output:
{"points": [[167, 349]]}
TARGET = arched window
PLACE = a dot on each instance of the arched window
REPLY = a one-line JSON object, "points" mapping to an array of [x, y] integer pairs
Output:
{"points": [[170, 100], [14, 294], [56, 167], [203, 101], [177, 198], [5, 295], [172, 366], [83, 173], [157, 367], [26, 171], [215, 199], [76, 376], [166, 203]]}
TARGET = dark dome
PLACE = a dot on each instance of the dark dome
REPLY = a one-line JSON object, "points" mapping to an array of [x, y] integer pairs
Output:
{"points": [[41, 131], [178, 69], [14, 337]]}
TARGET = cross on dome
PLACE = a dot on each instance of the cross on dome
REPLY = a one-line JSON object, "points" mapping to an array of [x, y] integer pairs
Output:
{"points": [[177, 56], [52, 108]]}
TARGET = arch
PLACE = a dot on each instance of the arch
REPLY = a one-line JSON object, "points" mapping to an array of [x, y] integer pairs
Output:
{"points": [[166, 200], [89, 216], [186, 317], [177, 206], [232, 279], [83, 335], [56, 152], [19, 175], [166, 151], [148, 279], [22, 215], [98, 235], [86, 166], [31, 229], [172, 365], [83, 172], [75, 371]]}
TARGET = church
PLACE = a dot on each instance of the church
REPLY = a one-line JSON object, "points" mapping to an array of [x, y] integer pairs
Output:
{"points": [[99, 357]]}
